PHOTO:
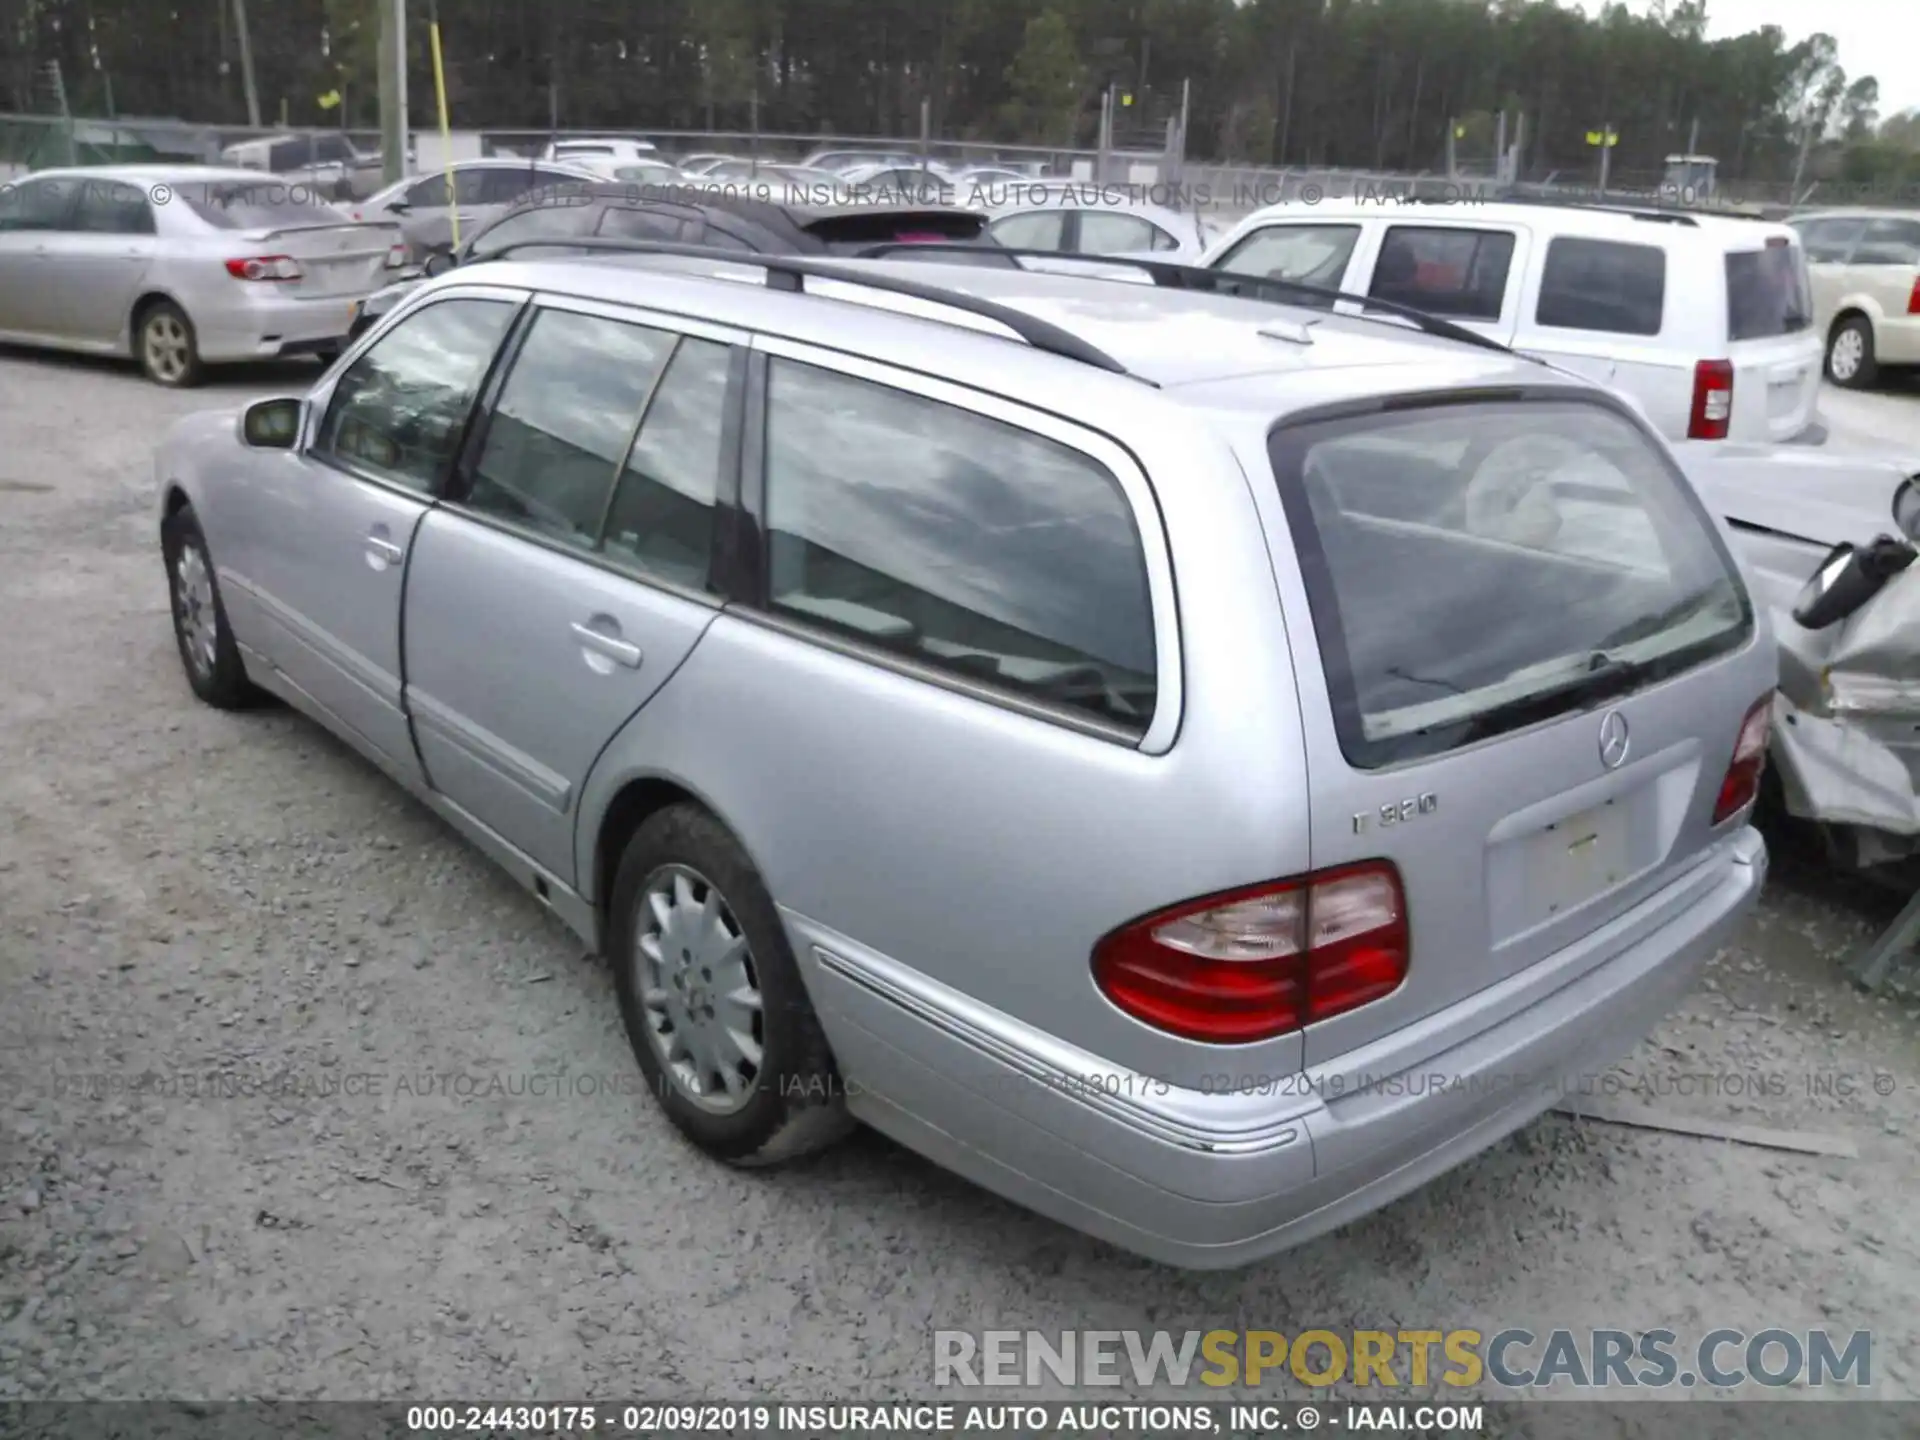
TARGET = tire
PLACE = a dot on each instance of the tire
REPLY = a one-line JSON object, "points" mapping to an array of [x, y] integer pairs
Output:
{"points": [[208, 651], [788, 1105], [1850, 359], [165, 345]]}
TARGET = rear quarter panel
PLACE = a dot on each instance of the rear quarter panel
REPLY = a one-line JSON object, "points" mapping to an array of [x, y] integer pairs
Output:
{"points": [[984, 849]]}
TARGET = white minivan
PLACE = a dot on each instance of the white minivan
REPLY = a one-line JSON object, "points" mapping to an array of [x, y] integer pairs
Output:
{"points": [[1706, 321]]}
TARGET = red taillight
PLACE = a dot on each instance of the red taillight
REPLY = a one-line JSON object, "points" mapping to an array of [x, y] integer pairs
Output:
{"points": [[1251, 964], [264, 267], [1712, 400], [1742, 783], [1913, 297]]}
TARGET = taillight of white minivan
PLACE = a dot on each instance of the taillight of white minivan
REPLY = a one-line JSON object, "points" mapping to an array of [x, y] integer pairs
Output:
{"points": [[1712, 410]]}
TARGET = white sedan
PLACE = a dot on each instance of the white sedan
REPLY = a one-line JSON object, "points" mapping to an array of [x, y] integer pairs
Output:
{"points": [[1097, 222]]}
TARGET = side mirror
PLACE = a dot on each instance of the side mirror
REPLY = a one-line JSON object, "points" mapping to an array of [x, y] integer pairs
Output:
{"points": [[273, 424], [1847, 579], [1906, 508], [398, 207], [438, 263]]}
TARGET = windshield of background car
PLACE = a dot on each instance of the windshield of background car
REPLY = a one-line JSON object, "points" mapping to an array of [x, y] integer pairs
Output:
{"points": [[1471, 567]]}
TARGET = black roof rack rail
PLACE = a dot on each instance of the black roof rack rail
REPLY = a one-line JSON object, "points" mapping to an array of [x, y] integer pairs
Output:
{"points": [[1175, 276], [789, 272]]}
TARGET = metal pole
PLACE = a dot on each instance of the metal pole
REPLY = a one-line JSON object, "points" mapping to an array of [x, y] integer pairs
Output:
{"points": [[246, 62], [392, 158], [1606, 154], [926, 132], [1106, 136], [1693, 137], [1499, 141], [1186, 111], [400, 81], [1453, 124]]}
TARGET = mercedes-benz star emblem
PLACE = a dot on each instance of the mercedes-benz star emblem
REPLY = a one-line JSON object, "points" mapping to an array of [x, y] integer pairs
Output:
{"points": [[1613, 740]]}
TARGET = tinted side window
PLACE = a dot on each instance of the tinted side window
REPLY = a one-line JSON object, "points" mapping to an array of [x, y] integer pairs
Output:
{"points": [[1307, 254], [113, 207], [36, 204], [557, 434], [957, 540], [1034, 230], [398, 412], [1104, 233], [627, 223], [1462, 273], [558, 222], [1830, 241], [1889, 242], [1603, 285], [503, 187], [662, 515]]}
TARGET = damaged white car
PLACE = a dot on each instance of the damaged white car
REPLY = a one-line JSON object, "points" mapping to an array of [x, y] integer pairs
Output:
{"points": [[1829, 541]]}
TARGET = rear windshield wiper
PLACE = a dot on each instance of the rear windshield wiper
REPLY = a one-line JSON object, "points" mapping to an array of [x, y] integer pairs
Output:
{"points": [[1674, 615], [1603, 679]]}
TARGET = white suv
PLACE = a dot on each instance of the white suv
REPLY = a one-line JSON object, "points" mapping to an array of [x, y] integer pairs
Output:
{"points": [[603, 149], [1704, 320]]}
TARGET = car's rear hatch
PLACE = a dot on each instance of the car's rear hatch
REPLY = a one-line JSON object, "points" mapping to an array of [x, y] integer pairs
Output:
{"points": [[1771, 340], [1526, 662]]}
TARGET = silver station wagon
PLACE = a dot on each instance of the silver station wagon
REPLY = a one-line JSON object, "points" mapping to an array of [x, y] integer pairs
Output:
{"points": [[1198, 766]]}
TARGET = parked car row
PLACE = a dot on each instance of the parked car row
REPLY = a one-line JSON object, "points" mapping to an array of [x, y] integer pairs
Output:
{"points": [[1865, 267]]}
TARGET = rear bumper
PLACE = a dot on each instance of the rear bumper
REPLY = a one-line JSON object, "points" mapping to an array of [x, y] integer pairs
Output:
{"points": [[261, 327], [1216, 1181]]}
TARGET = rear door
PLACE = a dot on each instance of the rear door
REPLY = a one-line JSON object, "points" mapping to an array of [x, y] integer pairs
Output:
{"points": [[1771, 340], [1460, 566], [566, 576], [1471, 275], [1828, 243], [1885, 266], [33, 223]]}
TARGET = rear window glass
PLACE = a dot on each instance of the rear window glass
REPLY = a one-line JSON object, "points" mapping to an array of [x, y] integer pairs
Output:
{"points": [[267, 205], [1461, 273], [1473, 569], [1603, 285], [1767, 293]]}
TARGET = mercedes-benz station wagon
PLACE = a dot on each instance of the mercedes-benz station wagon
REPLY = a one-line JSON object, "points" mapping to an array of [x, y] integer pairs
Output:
{"points": [[1197, 766]]}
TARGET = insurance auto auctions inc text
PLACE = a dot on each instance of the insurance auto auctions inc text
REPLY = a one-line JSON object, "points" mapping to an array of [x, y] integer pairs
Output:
{"points": [[1512, 1359]]}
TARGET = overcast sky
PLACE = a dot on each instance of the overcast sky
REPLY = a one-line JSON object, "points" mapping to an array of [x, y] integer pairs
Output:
{"points": [[1875, 36]]}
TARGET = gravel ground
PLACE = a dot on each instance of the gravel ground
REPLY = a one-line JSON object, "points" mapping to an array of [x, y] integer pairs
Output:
{"points": [[187, 894]]}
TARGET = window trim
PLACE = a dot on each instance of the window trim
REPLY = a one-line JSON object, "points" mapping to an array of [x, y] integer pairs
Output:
{"points": [[320, 399], [1105, 450], [451, 496]]}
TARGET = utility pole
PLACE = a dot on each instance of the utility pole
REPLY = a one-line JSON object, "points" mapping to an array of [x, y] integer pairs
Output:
{"points": [[392, 61], [246, 62]]}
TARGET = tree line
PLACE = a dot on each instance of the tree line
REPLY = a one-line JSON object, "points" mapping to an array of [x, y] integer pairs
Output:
{"points": [[1385, 84]]}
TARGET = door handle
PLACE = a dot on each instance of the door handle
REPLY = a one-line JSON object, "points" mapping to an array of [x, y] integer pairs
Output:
{"points": [[386, 549], [621, 652]]}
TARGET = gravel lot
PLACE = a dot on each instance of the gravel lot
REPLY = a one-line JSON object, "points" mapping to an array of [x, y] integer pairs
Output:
{"points": [[185, 894]]}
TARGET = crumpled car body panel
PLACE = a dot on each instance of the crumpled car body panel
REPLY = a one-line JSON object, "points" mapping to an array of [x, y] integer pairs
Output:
{"points": [[1846, 720]]}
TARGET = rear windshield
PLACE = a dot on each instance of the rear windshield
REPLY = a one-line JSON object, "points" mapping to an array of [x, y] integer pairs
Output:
{"points": [[1767, 293], [265, 206], [1475, 568]]}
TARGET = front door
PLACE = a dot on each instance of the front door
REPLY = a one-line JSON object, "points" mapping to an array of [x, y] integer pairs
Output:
{"points": [[567, 575], [324, 557], [33, 221]]}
